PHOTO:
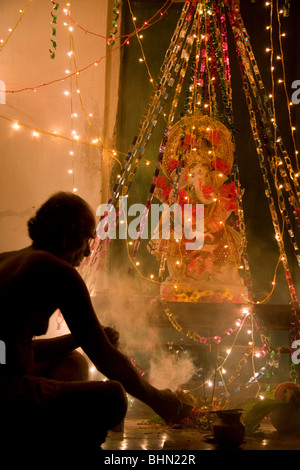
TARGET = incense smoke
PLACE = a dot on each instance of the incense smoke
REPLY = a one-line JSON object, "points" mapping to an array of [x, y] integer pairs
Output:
{"points": [[124, 305]]}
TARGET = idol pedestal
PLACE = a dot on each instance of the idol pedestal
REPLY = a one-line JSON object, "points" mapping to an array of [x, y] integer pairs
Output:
{"points": [[210, 333]]}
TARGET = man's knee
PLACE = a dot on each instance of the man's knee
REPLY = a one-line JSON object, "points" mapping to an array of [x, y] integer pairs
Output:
{"points": [[79, 365], [73, 367], [118, 395]]}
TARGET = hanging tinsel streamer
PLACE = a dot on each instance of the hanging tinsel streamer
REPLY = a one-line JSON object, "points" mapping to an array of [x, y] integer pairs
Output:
{"points": [[53, 28], [286, 8], [114, 29]]}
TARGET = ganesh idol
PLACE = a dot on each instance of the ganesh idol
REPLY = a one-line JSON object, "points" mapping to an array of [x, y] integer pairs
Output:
{"points": [[197, 165]]}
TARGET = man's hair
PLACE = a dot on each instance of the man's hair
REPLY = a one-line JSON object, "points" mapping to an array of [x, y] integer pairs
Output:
{"points": [[61, 222]]}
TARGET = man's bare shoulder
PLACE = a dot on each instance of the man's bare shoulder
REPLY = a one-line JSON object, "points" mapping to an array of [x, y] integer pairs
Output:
{"points": [[30, 260]]}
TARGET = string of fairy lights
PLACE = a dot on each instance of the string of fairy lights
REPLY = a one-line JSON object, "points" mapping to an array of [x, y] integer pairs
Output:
{"points": [[283, 172], [281, 258], [96, 142], [196, 336]]}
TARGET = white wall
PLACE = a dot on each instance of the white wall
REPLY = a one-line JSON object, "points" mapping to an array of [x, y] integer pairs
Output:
{"points": [[33, 168]]}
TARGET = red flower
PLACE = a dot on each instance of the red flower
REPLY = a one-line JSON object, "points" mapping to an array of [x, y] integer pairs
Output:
{"points": [[214, 136], [208, 190], [183, 197], [231, 206], [166, 192], [161, 182], [228, 191], [220, 165], [172, 165], [188, 141]]}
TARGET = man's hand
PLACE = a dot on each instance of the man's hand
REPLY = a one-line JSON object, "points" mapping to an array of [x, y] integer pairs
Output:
{"points": [[113, 336], [169, 407]]}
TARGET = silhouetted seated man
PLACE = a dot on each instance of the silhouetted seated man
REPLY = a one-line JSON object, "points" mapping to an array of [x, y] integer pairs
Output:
{"points": [[45, 396]]}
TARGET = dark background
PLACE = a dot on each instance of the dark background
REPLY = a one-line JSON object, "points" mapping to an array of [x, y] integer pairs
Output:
{"points": [[135, 92]]}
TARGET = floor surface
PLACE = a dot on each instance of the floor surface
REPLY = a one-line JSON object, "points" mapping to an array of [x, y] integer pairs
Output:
{"points": [[142, 433]]}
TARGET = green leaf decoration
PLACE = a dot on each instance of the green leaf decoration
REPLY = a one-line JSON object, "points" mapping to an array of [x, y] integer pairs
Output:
{"points": [[258, 411]]}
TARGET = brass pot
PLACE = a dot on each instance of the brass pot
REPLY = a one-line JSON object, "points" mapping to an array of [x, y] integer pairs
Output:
{"points": [[229, 432]]}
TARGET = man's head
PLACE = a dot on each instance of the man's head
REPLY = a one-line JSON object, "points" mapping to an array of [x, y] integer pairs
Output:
{"points": [[63, 225]]}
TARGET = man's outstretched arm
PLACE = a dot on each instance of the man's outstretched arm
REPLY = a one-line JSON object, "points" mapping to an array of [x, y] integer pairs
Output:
{"points": [[77, 309]]}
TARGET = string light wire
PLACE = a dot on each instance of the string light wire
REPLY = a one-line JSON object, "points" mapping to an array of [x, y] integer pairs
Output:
{"points": [[94, 63], [284, 84], [146, 24], [12, 30], [139, 41]]}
